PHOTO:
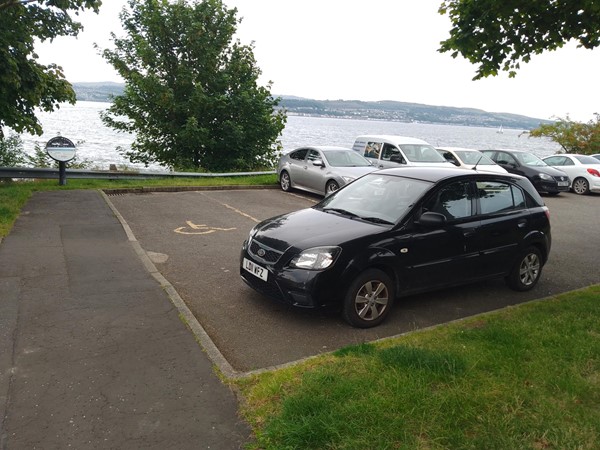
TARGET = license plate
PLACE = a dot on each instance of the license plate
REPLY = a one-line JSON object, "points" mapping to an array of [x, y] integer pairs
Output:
{"points": [[255, 269], [563, 183]]}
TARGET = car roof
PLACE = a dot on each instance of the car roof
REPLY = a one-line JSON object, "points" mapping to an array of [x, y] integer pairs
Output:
{"points": [[509, 150], [395, 139], [326, 148], [454, 149], [323, 148], [435, 174]]}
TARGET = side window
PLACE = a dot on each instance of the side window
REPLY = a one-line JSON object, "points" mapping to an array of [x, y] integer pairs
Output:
{"points": [[389, 152], [505, 158], [450, 158], [372, 150], [299, 155], [496, 197], [313, 154], [453, 201], [556, 161]]}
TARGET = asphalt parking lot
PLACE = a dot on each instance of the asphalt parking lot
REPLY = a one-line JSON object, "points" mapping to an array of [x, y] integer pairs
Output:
{"points": [[194, 239]]}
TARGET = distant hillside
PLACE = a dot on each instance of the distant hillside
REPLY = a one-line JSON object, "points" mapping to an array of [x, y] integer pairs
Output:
{"points": [[355, 109]]}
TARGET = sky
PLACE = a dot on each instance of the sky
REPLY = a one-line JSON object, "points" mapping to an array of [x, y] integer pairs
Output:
{"points": [[365, 50]]}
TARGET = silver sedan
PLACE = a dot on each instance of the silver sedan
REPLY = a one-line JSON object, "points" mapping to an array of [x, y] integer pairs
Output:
{"points": [[321, 169]]}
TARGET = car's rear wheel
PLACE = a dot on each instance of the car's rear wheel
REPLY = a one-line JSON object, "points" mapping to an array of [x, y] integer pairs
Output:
{"points": [[580, 186], [526, 271], [331, 187], [285, 181], [369, 299]]}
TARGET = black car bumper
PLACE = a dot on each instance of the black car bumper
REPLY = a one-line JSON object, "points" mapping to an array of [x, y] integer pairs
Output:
{"points": [[295, 287], [551, 187]]}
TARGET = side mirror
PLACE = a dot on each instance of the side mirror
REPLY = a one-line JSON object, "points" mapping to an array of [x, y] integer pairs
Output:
{"points": [[432, 219], [318, 162], [397, 159]]}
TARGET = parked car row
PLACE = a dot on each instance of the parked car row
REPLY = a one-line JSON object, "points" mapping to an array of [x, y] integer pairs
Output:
{"points": [[401, 216], [323, 170]]}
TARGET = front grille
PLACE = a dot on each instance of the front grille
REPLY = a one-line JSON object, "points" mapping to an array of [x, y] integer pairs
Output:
{"points": [[263, 253], [561, 178]]}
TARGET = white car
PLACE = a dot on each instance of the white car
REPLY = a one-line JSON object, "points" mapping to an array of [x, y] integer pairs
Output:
{"points": [[468, 159], [583, 171]]}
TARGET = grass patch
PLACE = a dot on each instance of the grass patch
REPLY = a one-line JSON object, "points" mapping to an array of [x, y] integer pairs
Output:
{"points": [[14, 195], [527, 377]]}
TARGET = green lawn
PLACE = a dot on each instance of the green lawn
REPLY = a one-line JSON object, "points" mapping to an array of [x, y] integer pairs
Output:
{"points": [[14, 195], [526, 377]]}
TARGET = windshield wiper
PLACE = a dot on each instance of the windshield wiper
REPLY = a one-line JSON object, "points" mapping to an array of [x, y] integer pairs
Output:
{"points": [[377, 220], [344, 212]]}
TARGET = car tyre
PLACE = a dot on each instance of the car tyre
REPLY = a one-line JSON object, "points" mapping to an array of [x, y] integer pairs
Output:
{"points": [[331, 187], [369, 299], [527, 270], [285, 181], [581, 186]]}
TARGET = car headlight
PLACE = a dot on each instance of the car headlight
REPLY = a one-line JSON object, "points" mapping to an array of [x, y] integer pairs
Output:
{"points": [[317, 258], [546, 177], [348, 179]]}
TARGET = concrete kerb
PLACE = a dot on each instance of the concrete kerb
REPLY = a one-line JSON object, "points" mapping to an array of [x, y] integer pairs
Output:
{"points": [[149, 189], [200, 334]]}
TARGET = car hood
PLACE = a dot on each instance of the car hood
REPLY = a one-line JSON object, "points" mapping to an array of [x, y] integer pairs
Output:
{"points": [[311, 228], [494, 168], [549, 171], [354, 172]]}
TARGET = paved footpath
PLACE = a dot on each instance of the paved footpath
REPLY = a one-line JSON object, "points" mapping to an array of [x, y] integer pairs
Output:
{"points": [[92, 352]]}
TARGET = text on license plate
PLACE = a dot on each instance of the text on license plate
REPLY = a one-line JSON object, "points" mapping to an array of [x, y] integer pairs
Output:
{"points": [[563, 183], [255, 269]]}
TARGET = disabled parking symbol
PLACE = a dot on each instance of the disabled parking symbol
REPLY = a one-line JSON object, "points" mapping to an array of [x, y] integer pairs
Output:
{"points": [[193, 228]]}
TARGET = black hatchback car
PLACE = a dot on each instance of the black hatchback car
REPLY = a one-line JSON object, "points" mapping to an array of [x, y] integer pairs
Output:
{"points": [[545, 178], [396, 232]]}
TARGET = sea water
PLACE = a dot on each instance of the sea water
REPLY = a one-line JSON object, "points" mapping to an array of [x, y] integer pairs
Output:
{"points": [[103, 146]]}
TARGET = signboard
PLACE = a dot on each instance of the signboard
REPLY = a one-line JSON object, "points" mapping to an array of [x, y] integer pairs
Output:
{"points": [[60, 149]]}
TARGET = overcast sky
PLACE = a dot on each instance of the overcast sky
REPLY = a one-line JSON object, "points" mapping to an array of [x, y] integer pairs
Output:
{"points": [[366, 50]]}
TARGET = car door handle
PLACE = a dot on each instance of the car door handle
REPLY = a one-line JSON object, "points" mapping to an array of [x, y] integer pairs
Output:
{"points": [[522, 223], [470, 233]]}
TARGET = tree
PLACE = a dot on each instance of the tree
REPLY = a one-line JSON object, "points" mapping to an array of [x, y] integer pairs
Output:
{"points": [[191, 94], [11, 151], [499, 35], [24, 83], [573, 137]]}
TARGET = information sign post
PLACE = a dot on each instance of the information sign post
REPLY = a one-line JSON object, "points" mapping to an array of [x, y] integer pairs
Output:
{"points": [[62, 150]]}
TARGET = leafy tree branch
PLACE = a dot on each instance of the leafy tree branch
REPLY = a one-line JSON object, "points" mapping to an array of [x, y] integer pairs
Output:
{"points": [[500, 35]]}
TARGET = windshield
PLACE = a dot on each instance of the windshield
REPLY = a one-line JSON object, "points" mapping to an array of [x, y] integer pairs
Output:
{"points": [[422, 153], [529, 159], [377, 198], [474, 157], [345, 158]]}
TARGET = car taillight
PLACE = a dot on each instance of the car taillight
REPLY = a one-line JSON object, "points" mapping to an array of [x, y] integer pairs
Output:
{"points": [[546, 211], [594, 172]]}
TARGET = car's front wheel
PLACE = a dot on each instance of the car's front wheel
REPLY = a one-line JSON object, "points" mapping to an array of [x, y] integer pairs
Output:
{"points": [[369, 299], [526, 271], [331, 187], [285, 181], [580, 186]]}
